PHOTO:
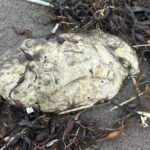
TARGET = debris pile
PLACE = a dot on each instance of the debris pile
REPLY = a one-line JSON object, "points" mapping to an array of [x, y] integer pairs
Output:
{"points": [[127, 19], [130, 20], [50, 131]]}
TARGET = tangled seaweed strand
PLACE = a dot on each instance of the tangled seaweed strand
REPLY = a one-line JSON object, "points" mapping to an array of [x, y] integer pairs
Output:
{"points": [[40, 131], [128, 19]]}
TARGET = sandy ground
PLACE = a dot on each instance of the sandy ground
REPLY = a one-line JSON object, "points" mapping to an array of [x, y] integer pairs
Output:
{"points": [[22, 14]]}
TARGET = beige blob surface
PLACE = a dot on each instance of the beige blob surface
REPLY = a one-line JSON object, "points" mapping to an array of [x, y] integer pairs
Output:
{"points": [[66, 72]]}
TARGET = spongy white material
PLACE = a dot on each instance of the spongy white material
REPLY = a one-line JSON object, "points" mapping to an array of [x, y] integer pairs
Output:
{"points": [[72, 70]]}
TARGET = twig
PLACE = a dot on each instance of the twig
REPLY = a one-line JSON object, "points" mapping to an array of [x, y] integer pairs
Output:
{"points": [[145, 82], [78, 122], [126, 108], [142, 45], [137, 91], [41, 2], [127, 101], [76, 109], [8, 143], [73, 138]]}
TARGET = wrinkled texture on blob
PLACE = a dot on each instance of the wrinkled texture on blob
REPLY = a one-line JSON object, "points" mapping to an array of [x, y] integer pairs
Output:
{"points": [[81, 70]]}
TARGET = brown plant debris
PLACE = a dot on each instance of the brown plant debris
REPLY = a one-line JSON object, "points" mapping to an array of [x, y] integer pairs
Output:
{"points": [[50, 131], [128, 19]]}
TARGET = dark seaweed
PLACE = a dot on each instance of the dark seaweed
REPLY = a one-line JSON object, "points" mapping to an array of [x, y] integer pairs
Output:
{"points": [[128, 19]]}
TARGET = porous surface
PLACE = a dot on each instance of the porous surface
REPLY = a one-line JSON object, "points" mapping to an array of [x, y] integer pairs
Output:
{"points": [[71, 70]]}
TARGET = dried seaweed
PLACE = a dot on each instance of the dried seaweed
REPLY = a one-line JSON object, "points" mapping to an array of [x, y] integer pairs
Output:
{"points": [[50, 131], [127, 19]]}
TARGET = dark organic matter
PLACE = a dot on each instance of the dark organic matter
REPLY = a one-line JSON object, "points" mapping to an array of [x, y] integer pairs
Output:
{"points": [[128, 19]]}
